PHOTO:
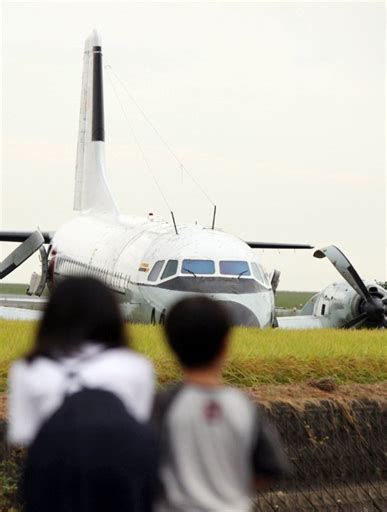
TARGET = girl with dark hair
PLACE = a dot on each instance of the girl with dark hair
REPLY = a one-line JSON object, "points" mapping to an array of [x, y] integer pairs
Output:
{"points": [[80, 343], [79, 401]]}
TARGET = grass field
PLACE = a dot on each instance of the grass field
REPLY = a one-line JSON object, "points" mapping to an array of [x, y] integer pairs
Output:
{"points": [[289, 300], [14, 288], [256, 357]]}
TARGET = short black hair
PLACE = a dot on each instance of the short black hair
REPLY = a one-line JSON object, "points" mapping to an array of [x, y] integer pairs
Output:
{"points": [[196, 329], [79, 310]]}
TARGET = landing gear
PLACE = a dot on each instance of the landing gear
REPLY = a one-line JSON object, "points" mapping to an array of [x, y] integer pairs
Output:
{"points": [[162, 318], [38, 281], [153, 317]]}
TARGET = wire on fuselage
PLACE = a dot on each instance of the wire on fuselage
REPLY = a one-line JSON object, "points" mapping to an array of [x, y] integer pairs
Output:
{"points": [[182, 167], [137, 142]]}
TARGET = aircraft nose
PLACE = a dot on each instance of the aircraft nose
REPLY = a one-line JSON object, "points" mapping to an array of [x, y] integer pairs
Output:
{"points": [[240, 314]]}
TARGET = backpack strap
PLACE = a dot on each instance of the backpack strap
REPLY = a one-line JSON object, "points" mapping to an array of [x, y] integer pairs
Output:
{"points": [[162, 403], [161, 406], [71, 371]]}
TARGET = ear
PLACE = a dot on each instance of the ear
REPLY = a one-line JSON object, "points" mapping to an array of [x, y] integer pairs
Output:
{"points": [[225, 348]]}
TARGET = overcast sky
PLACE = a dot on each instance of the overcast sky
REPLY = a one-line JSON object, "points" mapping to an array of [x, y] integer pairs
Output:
{"points": [[276, 108]]}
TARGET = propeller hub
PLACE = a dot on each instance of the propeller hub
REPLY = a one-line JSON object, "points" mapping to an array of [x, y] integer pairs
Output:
{"points": [[375, 310], [372, 312]]}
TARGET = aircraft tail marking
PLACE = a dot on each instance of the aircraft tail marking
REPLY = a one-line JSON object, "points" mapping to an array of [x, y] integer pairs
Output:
{"points": [[91, 189]]}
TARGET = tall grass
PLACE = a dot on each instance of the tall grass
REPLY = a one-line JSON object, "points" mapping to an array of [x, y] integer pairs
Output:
{"points": [[255, 356], [285, 299]]}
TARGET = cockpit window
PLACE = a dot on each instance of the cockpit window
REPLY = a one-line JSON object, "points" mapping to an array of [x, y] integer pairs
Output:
{"points": [[198, 267], [234, 268], [155, 272], [170, 269], [257, 273]]}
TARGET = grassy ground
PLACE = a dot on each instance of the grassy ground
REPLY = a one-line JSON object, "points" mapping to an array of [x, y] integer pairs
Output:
{"points": [[14, 288], [289, 300], [256, 356]]}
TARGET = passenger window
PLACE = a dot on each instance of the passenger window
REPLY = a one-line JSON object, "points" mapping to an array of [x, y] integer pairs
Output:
{"points": [[257, 272], [170, 269], [155, 272], [234, 268], [194, 267]]}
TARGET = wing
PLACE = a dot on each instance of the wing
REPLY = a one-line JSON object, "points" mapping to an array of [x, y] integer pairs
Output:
{"points": [[21, 236], [277, 245], [302, 322], [9, 313], [21, 307]]}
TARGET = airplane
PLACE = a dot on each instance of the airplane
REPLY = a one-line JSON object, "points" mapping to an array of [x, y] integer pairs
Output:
{"points": [[148, 263]]}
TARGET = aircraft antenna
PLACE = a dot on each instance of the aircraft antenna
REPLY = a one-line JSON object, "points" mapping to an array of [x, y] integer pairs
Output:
{"points": [[213, 217], [140, 148], [168, 147], [174, 222]]}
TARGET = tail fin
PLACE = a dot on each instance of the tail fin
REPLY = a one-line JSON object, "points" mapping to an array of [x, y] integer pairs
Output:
{"points": [[91, 189]]}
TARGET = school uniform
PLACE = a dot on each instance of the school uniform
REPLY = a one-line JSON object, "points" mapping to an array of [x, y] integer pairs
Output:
{"points": [[83, 419], [91, 455], [38, 388]]}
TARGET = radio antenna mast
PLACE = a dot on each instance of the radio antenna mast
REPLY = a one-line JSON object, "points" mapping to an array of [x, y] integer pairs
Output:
{"points": [[213, 217]]}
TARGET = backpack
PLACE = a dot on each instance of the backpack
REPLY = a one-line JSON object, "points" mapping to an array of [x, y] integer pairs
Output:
{"points": [[91, 455]]}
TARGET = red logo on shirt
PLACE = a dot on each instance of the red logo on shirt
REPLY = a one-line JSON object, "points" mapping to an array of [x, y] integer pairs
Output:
{"points": [[212, 411]]}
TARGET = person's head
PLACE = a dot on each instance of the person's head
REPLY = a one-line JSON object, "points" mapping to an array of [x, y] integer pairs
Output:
{"points": [[80, 309], [197, 329]]}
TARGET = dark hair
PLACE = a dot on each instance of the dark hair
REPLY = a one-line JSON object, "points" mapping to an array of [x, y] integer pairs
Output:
{"points": [[80, 309], [196, 330]]}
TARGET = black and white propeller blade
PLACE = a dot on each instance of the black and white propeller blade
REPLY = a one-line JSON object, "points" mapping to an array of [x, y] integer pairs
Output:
{"points": [[373, 308], [344, 267], [356, 322], [21, 253]]}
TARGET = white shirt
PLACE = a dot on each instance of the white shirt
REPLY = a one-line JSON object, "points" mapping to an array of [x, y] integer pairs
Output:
{"points": [[37, 389]]}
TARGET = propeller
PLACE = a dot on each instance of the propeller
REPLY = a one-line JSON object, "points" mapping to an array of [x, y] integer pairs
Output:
{"points": [[373, 309]]}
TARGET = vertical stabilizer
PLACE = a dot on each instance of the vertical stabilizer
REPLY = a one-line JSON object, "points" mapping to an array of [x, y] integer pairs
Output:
{"points": [[91, 189]]}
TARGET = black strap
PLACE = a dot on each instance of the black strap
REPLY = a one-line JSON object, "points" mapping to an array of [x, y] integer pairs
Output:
{"points": [[163, 401]]}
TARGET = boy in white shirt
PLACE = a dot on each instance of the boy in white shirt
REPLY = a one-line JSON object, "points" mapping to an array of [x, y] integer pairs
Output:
{"points": [[216, 444]]}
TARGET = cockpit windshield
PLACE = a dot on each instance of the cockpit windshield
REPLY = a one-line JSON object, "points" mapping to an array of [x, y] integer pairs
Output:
{"points": [[234, 268], [155, 272], [194, 267], [257, 273], [170, 269]]}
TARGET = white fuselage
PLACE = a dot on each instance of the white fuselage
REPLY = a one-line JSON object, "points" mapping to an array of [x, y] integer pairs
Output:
{"points": [[122, 252]]}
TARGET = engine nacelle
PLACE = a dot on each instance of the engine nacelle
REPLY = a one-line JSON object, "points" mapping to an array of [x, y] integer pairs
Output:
{"points": [[339, 303]]}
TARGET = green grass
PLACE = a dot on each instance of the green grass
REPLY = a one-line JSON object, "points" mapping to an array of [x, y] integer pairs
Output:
{"points": [[289, 300], [17, 289], [14, 288], [255, 357]]}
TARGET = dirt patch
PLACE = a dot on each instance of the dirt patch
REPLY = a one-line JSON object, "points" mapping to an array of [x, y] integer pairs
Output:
{"points": [[3, 405], [338, 498], [298, 395]]}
